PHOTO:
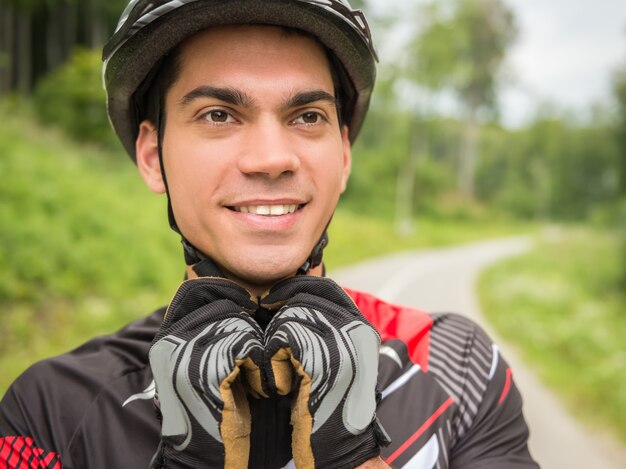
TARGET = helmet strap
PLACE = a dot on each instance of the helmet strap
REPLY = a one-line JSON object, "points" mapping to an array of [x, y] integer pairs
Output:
{"points": [[192, 255]]}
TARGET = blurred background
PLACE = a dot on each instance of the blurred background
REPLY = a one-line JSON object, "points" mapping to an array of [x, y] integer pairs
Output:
{"points": [[490, 118]]}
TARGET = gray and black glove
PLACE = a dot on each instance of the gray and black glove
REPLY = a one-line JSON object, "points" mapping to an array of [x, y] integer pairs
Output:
{"points": [[321, 348], [207, 354]]}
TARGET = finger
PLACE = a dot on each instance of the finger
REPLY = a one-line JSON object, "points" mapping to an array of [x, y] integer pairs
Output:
{"points": [[282, 371], [301, 420], [195, 293], [236, 423], [253, 377]]}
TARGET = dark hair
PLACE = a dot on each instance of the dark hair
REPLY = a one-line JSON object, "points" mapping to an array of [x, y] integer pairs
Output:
{"points": [[164, 75]]}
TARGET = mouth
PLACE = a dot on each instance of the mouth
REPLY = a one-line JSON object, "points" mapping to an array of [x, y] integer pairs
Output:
{"points": [[268, 210]]}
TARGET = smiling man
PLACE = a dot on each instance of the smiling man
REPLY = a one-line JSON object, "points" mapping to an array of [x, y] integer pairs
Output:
{"points": [[243, 113], [253, 149]]}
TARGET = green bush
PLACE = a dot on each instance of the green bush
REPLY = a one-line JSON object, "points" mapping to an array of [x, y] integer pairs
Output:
{"points": [[562, 306], [85, 246], [73, 98]]}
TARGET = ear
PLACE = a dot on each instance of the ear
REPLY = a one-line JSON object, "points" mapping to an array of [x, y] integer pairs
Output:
{"points": [[347, 157], [147, 152]]}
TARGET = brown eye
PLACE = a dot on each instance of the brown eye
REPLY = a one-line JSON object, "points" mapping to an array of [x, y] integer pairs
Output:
{"points": [[218, 116], [310, 117]]}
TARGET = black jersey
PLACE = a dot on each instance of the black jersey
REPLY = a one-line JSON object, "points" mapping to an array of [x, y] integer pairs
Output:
{"points": [[448, 401]]}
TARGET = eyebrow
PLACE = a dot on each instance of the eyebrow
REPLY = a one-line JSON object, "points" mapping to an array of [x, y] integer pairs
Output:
{"points": [[308, 97], [227, 95], [238, 98]]}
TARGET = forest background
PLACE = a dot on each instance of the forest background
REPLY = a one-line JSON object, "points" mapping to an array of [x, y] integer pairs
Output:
{"points": [[84, 248]]}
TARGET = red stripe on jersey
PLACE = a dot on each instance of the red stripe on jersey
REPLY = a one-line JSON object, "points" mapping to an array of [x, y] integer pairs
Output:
{"points": [[16, 459], [26, 455], [5, 450], [13, 460], [409, 325], [48, 459], [507, 386], [420, 431], [16, 453]]}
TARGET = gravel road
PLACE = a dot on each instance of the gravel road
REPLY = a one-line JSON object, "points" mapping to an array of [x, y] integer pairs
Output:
{"points": [[444, 280]]}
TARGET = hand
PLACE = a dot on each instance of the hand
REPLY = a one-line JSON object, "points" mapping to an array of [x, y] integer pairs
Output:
{"points": [[205, 342], [321, 347]]}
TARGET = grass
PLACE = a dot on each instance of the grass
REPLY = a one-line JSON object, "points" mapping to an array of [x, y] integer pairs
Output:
{"points": [[563, 307], [86, 247]]}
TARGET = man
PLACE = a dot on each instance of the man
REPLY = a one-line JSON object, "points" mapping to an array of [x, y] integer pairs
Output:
{"points": [[243, 112]]}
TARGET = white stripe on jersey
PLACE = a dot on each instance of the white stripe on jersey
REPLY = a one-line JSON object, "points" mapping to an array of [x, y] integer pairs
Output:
{"points": [[401, 381]]}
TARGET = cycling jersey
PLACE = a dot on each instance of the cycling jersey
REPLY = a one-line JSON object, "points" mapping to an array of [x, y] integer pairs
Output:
{"points": [[448, 401]]}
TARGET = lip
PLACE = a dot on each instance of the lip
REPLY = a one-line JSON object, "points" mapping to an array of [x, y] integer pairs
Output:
{"points": [[284, 201], [263, 223]]}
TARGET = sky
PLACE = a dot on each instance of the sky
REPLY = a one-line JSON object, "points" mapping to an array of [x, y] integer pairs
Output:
{"points": [[565, 55]]}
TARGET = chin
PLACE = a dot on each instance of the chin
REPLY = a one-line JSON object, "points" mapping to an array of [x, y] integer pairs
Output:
{"points": [[267, 274], [264, 272]]}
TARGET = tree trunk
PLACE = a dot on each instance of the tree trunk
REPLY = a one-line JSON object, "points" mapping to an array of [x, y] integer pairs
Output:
{"points": [[54, 29], [96, 33], [7, 22], [467, 155], [70, 30], [542, 189], [98, 30], [405, 183], [23, 59]]}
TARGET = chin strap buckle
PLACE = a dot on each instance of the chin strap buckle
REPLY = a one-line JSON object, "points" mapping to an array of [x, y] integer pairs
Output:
{"points": [[315, 258]]}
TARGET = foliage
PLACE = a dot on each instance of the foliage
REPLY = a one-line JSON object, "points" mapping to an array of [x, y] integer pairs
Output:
{"points": [[74, 229], [551, 169], [380, 153], [462, 46], [72, 97], [563, 306]]}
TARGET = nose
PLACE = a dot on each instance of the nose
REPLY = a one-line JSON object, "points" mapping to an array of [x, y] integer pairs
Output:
{"points": [[269, 150]]}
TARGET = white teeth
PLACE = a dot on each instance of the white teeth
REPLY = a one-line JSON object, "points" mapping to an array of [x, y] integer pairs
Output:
{"points": [[268, 210]]}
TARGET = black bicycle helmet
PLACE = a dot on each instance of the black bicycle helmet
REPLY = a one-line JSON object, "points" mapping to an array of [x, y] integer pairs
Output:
{"points": [[149, 29]]}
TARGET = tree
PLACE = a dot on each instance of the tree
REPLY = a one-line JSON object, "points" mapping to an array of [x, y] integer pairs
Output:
{"points": [[461, 48], [36, 36], [619, 91]]}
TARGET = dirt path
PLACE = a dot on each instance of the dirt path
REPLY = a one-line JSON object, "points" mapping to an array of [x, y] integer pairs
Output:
{"points": [[444, 280]]}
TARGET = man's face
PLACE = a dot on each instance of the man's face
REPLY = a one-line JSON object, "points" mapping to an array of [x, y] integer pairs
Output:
{"points": [[254, 155]]}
